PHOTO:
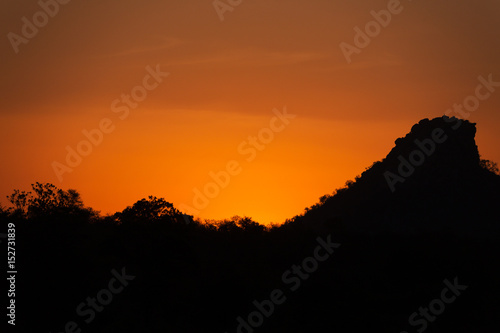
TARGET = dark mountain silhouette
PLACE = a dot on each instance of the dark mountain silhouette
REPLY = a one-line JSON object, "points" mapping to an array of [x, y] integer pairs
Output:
{"points": [[451, 190], [411, 245]]}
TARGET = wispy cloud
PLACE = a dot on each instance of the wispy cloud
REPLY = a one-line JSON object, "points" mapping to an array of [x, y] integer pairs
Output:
{"points": [[159, 43], [255, 57]]}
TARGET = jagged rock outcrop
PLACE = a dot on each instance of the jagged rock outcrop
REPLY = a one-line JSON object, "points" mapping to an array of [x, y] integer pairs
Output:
{"points": [[431, 181], [444, 143]]}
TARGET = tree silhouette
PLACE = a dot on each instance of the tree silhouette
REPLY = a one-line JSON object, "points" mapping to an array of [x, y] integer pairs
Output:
{"points": [[149, 210], [47, 202], [20, 201], [490, 166], [248, 225]]}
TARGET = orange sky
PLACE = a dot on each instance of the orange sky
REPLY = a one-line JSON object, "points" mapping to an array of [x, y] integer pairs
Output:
{"points": [[225, 79]]}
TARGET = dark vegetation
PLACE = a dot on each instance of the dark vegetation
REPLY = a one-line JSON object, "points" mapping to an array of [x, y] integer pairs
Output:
{"points": [[199, 276]]}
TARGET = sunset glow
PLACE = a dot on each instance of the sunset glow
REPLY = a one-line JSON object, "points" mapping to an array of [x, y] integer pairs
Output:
{"points": [[226, 81]]}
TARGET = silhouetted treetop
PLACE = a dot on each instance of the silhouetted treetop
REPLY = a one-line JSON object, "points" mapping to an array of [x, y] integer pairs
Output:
{"points": [[46, 201], [149, 210]]}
